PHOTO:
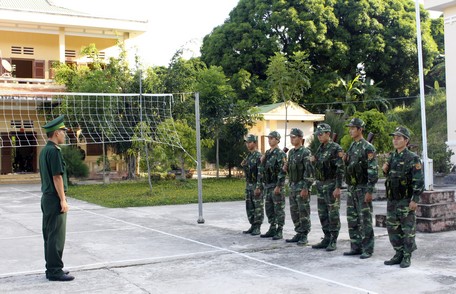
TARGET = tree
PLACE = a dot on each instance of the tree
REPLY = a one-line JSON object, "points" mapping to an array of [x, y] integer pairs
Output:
{"points": [[289, 78], [337, 35], [216, 102]]}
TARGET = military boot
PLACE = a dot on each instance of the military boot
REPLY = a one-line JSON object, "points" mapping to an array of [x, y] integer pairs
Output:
{"points": [[397, 259], [294, 239], [323, 244], [256, 230], [406, 260], [303, 240], [249, 231], [270, 233], [332, 244], [278, 235]]}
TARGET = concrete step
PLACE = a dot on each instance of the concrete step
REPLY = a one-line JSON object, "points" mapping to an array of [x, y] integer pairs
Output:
{"points": [[432, 225], [29, 178], [437, 196], [437, 210]]}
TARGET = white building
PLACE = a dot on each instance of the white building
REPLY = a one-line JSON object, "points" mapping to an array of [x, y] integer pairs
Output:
{"points": [[448, 7]]}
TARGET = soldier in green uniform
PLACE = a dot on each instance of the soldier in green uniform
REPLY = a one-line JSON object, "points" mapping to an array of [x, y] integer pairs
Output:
{"points": [[404, 185], [300, 176], [53, 201], [361, 175], [273, 179], [329, 174], [254, 202]]}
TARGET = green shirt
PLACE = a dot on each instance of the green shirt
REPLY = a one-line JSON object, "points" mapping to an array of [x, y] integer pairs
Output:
{"points": [[299, 168], [329, 164], [251, 164], [361, 166], [51, 164], [404, 178], [270, 169]]}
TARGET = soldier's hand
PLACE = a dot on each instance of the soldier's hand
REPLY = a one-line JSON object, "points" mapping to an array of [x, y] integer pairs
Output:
{"points": [[385, 167], [263, 157], [285, 167], [64, 206], [312, 158], [368, 197], [277, 190], [304, 193], [243, 163], [345, 157], [336, 193], [257, 192], [413, 205]]}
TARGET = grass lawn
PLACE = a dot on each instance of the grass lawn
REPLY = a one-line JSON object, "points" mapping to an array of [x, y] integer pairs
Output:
{"points": [[137, 193]]}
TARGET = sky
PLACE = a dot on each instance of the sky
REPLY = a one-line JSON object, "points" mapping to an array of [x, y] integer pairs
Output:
{"points": [[173, 24]]}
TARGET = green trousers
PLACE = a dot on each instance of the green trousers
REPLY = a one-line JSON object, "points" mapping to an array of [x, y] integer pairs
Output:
{"points": [[54, 231]]}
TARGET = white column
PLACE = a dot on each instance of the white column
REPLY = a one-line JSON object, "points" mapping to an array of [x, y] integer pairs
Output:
{"points": [[450, 71], [62, 45]]}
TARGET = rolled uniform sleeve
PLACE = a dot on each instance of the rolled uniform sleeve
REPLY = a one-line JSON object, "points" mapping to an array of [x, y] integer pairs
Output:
{"points": [[340, 167], [372, 168], [308, 175], [417, 179], [281, 160]]}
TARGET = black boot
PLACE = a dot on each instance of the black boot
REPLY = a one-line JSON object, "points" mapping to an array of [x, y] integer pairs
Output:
{"points": [[270, 233], [256, 230], [397, 259], [323, 244], [249, 231], [294, 239]]}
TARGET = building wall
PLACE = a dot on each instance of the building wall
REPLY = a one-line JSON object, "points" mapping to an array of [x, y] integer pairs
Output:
{"points": [[46, 46]]}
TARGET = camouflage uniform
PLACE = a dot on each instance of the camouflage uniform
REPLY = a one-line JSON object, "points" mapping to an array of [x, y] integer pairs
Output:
{"points": [[272, 175], [254, 204], [404, 183], [361, 175], [300, 175], [329, 173]]}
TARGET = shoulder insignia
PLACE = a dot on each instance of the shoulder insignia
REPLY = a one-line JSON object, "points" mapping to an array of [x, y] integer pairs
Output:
{"points": [[418, 166], [340, 154], [371, 155]]}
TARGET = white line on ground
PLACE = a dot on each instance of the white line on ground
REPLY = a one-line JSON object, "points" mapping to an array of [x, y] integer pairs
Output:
{"points": [[223, 249]]}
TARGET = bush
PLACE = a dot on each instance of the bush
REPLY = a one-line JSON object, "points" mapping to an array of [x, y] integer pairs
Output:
{"points": [[74, 163]]}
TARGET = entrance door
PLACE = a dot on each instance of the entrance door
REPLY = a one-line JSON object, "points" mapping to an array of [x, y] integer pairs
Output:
{"points": [[6, 155]]}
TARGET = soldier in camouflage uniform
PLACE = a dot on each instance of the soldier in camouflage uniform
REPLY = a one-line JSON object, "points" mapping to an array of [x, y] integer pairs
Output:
{"points": [[329, 173], [404, 185], [254, 202], [361, 175], [273, 179], [300, 176]]}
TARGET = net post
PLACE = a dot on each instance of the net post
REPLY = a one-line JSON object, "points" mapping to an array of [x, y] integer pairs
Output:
{"points": [[198, 159]]}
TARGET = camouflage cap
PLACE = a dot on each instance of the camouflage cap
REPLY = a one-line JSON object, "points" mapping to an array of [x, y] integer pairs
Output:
{"points": [[55, 124], [322, 128], [251, 138], [356, 122], [401, 131], [296, 132], [274, 134]]}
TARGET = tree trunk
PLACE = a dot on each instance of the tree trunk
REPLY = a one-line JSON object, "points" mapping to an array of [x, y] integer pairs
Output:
{"points": [[182, 161], [131, 167]]}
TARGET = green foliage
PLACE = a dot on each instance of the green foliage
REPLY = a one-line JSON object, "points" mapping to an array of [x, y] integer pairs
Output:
{"points": [[74, 163], [376, 123], [436, 128], [289, 77], [137, 193], [337, 35]]}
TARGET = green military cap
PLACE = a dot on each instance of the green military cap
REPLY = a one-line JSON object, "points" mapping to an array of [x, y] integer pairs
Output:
{"points": [[251, 138], [55, 124], [274, 134], [322, 128], [401, 131], [356, 122], [296, 132]]}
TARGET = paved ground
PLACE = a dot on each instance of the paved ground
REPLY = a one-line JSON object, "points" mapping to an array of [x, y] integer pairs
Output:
{"points": [[164, 250]]}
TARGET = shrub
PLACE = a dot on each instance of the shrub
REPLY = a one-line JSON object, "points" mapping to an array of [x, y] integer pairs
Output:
{"points": [[74, 163]]}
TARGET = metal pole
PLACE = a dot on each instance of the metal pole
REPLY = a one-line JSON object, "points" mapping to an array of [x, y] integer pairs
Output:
{"points": [[428, 167], [146, 148], [198, 159]]}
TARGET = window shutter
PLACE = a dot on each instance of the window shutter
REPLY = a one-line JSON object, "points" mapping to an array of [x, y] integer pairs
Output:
{"points": [[39, 67]]}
